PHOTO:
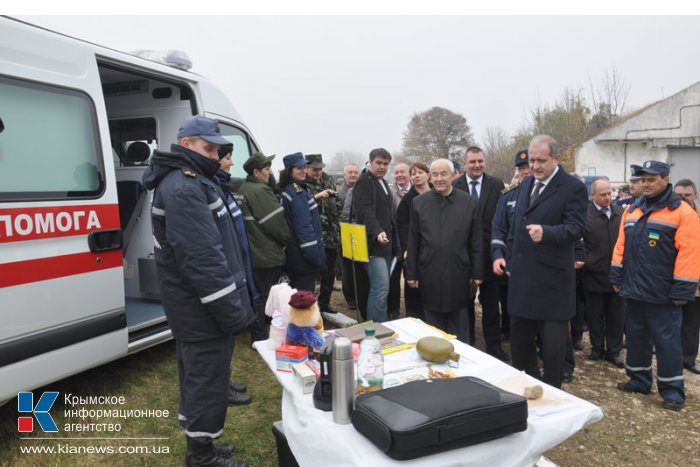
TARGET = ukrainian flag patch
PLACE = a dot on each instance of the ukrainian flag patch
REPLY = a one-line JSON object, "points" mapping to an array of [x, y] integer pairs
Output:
{"points": [[654, 235]]}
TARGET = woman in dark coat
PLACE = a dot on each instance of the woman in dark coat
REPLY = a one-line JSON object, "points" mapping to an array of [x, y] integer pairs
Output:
{"points": [[420, 176], [306, 251]]}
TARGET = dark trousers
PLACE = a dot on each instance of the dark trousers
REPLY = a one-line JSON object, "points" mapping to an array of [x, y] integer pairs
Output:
{"points": [[414, 306], [523, 333], [327, 279], [651, 327], [490, 315], [305, 281], [265, 278], [580, 316], [348, 282], [455, 322], [362, 284], [503, 298], [689, 331], [203, 369], [605, 322], [394, 300]]}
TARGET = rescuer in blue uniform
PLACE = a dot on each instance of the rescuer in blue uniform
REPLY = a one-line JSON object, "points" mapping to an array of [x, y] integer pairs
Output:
{"points": [[202, 279]]}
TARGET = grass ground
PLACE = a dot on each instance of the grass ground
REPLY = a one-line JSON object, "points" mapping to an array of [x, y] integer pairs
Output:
{"points": [[148, 380], [635, 430]]}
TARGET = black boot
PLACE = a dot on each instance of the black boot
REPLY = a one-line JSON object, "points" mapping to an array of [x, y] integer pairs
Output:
{"points": [[238, 387], [238, 398], [208, 455]]}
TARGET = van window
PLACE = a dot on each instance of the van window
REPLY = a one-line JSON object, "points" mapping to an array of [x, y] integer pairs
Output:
{"points": [[125, 132], [49, 147], [241, 148]]}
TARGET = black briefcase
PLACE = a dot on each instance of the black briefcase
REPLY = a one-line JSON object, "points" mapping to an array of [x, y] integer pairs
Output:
{"points": [[431, 416]]}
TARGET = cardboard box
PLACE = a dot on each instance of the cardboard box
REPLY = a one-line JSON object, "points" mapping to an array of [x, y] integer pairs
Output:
{"points": [[304, 377], [286, 355]]}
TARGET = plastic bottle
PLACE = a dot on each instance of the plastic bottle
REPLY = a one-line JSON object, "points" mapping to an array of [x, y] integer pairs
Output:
{"points": [[370, 364]]}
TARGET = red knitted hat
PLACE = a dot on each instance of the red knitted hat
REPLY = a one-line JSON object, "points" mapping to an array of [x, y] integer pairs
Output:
{"points": [[302, 299]]}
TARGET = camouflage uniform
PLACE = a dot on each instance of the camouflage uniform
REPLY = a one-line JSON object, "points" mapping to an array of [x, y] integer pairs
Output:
{"points": [[329, 209]]}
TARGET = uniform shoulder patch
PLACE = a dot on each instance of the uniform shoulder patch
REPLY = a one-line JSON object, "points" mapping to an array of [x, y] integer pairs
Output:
{"points": [[189, 173]]}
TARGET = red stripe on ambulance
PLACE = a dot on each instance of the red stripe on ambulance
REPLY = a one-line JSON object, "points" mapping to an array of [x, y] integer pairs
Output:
{"points": [[22, 224], [35, 270]]}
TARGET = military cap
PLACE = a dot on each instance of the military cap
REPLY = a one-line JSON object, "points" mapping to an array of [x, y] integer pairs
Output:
{"points": [[294, 160], [257, 161], [315, 161]]}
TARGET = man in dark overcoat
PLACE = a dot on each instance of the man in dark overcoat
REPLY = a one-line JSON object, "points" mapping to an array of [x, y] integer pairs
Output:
{"points": [[605, 316], [445, 253], [486, 190], [550, 215]]}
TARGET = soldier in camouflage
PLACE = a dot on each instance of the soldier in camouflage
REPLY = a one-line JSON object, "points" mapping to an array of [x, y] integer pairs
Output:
{"points": [[322, 187]]}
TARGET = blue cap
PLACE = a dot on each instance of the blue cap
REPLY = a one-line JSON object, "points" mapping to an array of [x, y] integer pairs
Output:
{"points": [[205, 128], [634, 171], [294, 160], [521, 157], [652, 167]]}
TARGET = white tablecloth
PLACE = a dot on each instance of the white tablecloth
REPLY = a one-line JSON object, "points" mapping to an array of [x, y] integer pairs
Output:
{"points": [[316, 440]]}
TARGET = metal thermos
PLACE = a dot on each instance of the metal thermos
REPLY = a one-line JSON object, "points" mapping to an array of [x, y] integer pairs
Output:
{"points": [[343, 380]]}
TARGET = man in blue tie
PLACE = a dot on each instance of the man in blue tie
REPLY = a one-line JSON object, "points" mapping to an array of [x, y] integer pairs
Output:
{"points": [[486, 190]]}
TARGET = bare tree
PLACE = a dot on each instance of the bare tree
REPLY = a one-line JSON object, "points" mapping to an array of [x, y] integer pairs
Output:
{"points": [[342, 158], [608, 100], [436, 133], [499, 151]]}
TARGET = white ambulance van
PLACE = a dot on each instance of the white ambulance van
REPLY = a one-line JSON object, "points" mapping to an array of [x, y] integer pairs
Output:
{"points": [[78, 123]]}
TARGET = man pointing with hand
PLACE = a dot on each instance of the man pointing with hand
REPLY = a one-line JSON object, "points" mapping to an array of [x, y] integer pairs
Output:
{"points": [[550, 216]]}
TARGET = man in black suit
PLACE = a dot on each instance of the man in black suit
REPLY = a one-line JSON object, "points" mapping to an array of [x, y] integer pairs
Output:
{"points": [[373, 206], [550, 216], [605, 316], [486, 190]]}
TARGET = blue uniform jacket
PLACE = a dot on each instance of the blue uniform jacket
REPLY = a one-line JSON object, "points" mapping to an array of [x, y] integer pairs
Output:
{"points": [[306, 251], [198, 256], [239, 224]]}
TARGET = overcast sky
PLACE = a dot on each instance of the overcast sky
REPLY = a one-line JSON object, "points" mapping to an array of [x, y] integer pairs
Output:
{"points": [[328, 84]]}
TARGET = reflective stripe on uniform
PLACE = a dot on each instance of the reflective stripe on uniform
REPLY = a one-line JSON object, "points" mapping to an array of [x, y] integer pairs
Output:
{"points": [[498, 242], [665, 224], [315, 206], [204, 434], [286, 195], [672, 378], [250, 218], [235, 211], [304, 245], [181, 417], [616, 265], [271, 215], [684, 279], [157, 211], [638, 368], [219, 294], [156, 244], [216, 204]]}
